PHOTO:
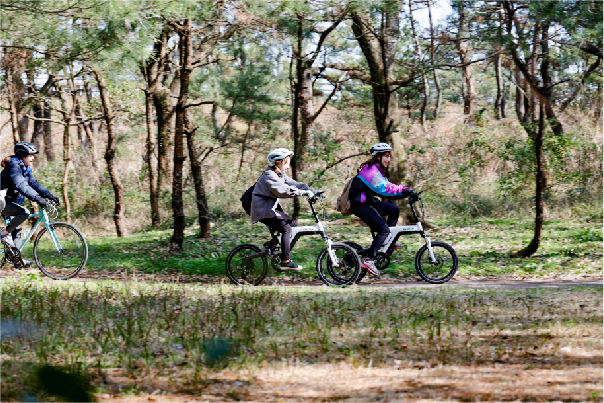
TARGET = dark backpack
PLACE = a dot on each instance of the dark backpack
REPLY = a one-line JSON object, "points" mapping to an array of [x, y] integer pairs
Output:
{"points": [[246, 199]]}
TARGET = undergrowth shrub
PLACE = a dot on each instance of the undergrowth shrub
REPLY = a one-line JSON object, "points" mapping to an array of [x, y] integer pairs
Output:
{"points": [[481, 167]]}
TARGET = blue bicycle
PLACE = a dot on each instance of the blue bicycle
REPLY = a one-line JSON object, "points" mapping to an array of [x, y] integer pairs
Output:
{"points": [[60, 250]]}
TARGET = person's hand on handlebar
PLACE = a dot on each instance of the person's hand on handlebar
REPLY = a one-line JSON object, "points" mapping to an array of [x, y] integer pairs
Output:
{"points": [[54, 199], [413, 196], [308, 193], [41, 201]]}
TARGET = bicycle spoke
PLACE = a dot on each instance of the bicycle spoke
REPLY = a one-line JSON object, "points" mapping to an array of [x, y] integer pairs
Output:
{"points": [[244, 270], [61, 256]]}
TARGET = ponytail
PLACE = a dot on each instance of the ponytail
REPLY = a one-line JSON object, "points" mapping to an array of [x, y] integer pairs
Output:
{"points": [[5, 160], [368, 163]]}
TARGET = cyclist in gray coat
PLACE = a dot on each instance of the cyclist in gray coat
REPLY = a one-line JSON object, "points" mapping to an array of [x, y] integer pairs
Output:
{"points": [[272, 185], [18, 180]]}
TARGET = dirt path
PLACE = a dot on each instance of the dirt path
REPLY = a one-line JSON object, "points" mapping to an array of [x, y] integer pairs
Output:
{"points": [[465, 282]]}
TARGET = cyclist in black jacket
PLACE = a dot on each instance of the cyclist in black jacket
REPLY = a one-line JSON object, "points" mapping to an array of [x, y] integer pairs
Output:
{"points": [[19, 182]]}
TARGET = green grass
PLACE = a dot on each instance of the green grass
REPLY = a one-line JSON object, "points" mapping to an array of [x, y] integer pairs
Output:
{"points": [[182, 334], [483, 247]]}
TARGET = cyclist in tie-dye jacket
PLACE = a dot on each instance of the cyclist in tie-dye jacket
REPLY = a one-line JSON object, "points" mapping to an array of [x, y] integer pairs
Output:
{"points": [[369, 183]]}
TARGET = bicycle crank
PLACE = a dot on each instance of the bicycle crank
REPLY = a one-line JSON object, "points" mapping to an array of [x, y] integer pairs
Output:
{"points": [[13, 255], [381, 261]]}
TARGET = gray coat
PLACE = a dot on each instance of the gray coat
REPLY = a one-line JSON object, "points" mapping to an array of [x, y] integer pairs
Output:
{"points": [[269, 188]]}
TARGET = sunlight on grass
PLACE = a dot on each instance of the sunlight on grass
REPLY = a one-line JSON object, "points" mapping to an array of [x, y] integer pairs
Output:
{"points": [[144, 333], [483, 248]]}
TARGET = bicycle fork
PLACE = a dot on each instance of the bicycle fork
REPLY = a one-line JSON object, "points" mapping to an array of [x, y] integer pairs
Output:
{"points": [[55, 240], [332, 255], [330, 252], [430, 250]]}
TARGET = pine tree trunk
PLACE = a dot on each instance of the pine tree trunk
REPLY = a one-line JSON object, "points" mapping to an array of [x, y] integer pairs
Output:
{"points": [[14, 119], [499, 100], [439, 92], [426, 85], [37, 134], [165, 130], [48, 147], [179, 134], [163, 86], [149, 152], [465, 57], [519, 96], [21, 93], [296, 116], [118, 189], [67, 119], [200, 192], [540, 186]]}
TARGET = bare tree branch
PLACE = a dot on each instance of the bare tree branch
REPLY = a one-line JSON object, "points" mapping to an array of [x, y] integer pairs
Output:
{"points": [[191, 103], [333, 164]]}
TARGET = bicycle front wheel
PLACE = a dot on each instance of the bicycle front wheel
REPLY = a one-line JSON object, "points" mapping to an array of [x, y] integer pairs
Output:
{"points": [[243, 267], [347, 270], [64, 256], [439, 270]]}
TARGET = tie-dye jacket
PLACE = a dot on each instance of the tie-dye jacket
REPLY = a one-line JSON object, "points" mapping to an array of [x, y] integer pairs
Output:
{"points": [[371, 182]]}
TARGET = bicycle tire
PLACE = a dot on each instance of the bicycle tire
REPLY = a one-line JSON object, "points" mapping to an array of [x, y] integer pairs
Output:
{"points": [[357, 248], [239, 271], [350, 266], [65, 263], [440, 271]]}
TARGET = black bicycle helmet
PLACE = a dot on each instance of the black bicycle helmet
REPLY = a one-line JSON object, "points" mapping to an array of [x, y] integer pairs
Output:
{"points": [[23, 149]]}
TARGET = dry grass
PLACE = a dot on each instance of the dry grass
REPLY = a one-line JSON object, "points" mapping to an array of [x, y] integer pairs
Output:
{"points": [[344, 382], [310, 344]]}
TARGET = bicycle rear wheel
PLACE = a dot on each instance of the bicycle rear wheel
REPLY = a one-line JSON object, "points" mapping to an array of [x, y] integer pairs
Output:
{"points": [[440, 270], [62, 260], [349, 266], [244, 270]]}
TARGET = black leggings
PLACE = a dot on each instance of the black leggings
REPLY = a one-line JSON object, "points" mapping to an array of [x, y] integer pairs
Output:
{"points": [[19, 215], [282, 224], [372, 216]]}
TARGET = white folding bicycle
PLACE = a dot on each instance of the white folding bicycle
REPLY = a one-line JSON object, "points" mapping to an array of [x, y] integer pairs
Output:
{"points": [[435, 262], [337, 264]]}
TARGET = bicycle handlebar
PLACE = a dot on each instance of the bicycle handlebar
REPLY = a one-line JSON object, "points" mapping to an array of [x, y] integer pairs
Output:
{"points": [[316, 196], [52, 209], [413, 200]]}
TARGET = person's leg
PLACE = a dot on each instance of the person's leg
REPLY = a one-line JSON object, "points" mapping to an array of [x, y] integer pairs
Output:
{"points": [[282, 224], [286, 223], [16, 234], [19, 214], [376, 223], [390, 210]]}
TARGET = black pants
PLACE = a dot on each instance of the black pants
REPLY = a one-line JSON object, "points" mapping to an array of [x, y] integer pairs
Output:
{"points": [[282, 224], [19, 214], [372, 216]]}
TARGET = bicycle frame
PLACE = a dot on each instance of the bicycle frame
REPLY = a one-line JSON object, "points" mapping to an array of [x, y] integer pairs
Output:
{"points": [[298, 232], [317, 229], [396, 232], [42, 219]]}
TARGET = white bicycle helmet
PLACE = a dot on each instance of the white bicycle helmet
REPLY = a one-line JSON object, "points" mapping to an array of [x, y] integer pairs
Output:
{"points": [[278, 154], [380, 148]]}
